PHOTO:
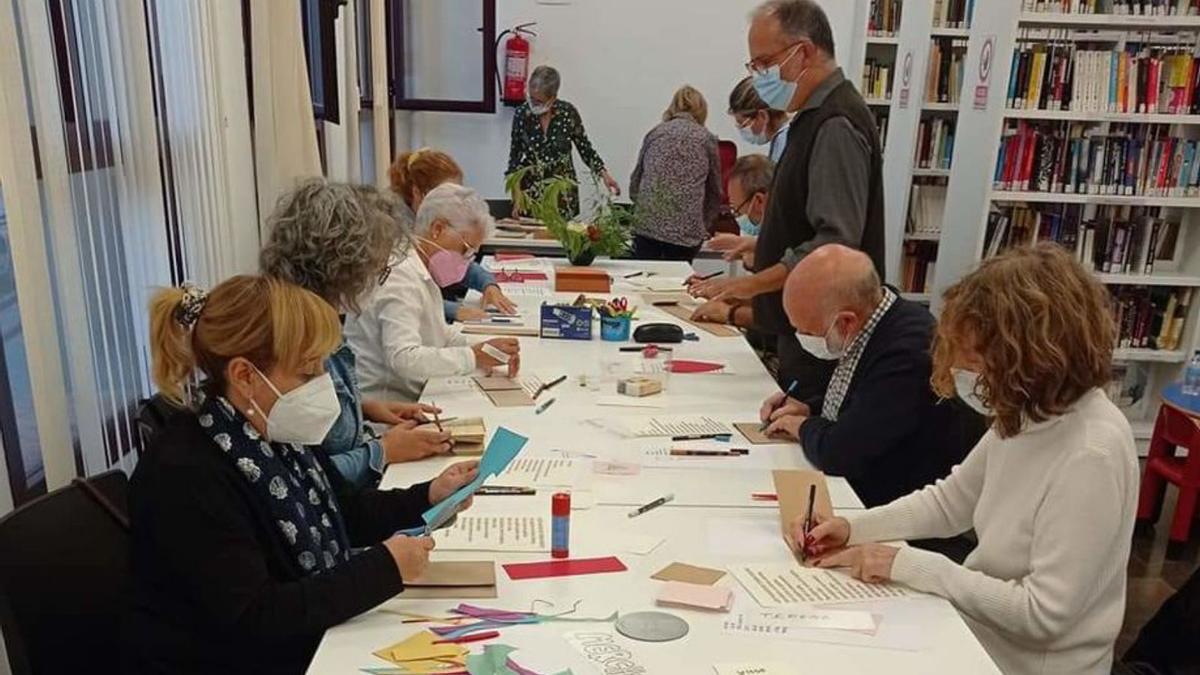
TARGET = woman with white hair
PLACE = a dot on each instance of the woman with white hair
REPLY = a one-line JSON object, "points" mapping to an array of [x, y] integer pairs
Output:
{"points": [[400, 335]]}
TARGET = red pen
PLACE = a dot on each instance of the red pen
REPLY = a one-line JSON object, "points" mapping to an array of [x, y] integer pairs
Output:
{"points": [[764, 496], [477, 637]]}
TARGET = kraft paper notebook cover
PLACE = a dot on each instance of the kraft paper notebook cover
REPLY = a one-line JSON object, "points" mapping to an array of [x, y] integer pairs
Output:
{"points": [[684, 312], [497, 383], [468, 434], [510, 398], [690, 574], [467, 579], [791, 486], [751, 431]]}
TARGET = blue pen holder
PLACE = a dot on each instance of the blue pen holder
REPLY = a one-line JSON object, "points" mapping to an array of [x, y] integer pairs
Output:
{"points": [[566, 322], [615, 329]]}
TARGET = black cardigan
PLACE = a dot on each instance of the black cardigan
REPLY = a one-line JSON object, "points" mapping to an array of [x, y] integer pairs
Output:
{"points": [[893, 435], [214, 588]]}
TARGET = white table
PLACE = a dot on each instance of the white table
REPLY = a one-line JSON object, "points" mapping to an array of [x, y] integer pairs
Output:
{"points": [[701, 535]]}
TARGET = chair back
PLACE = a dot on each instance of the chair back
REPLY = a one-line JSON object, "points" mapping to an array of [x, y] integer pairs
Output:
{"points": [[64, 569]]}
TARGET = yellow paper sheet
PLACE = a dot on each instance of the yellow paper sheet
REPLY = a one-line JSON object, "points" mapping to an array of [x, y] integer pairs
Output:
{"points": [[419, 654]]}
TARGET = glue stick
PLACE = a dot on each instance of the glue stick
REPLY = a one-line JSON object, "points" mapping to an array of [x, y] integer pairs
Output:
{"points": [[560, 525]]}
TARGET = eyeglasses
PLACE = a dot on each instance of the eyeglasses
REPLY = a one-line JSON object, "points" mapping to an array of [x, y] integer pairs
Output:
{"points": [[762, 64], [737, 210]]}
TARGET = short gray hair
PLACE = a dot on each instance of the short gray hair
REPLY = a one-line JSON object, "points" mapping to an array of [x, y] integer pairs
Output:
{"points": [[544, 81], [754, 173], [800, 20], [333, 239], [459, 206]]}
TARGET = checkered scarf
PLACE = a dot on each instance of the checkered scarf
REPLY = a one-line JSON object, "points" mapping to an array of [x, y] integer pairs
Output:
{"points": [[844, 373]]}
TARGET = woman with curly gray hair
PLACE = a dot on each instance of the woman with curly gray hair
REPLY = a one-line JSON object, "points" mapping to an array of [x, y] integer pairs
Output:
{"points": [[335, 239]]}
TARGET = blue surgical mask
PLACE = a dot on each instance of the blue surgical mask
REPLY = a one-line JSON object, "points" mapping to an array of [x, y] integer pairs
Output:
{"points": [[747, 226], [773, 89], [748, 135]]}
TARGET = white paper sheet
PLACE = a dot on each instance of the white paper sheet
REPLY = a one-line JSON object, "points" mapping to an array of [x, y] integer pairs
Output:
{"points": [[755, 668], [779, 585], [509, 533], [662, 425], [900, 625], [447, 385], [757, 538], [544, 472], [780, 621], [621, 401]]}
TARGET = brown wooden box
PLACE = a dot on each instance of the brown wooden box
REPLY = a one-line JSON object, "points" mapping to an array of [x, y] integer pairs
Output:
{"points": [[581, 280]]}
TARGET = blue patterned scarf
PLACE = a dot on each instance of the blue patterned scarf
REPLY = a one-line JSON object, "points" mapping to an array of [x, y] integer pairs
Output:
{"points": [[289, 481]]}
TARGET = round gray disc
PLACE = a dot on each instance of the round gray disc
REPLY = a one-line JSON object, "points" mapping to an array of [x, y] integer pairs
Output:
{"points": [[652, 626]]}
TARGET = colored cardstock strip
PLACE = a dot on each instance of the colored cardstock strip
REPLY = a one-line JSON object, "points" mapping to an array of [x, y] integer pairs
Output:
{"points": [[563, 568], [691, 574]]}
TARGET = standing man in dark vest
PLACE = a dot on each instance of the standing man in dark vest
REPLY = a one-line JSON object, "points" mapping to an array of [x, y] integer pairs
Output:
{"points": [[828, 185]]}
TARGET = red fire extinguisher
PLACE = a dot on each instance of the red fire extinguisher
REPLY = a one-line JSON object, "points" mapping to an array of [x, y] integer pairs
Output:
{"points": [[516, 63]]}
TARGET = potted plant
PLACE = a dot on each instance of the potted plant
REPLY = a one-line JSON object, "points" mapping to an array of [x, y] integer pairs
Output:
{"points": [[606, 232]]}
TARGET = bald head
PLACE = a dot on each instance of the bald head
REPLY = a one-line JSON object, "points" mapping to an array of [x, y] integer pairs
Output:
{"points": [[832, 281]]}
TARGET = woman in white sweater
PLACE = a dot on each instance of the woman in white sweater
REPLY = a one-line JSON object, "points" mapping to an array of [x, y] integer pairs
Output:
{"points": [[401, 337], [1050, 490]]}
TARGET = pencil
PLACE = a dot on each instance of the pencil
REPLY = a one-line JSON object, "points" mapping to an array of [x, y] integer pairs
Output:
{"points": [[437, 421], [706, 277]]}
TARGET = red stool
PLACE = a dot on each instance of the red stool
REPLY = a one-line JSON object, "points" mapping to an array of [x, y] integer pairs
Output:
{"points": [[1175, 427]]}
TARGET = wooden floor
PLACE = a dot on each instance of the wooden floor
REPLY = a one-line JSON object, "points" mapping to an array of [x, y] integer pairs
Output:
{"points": [[1156, 570]]}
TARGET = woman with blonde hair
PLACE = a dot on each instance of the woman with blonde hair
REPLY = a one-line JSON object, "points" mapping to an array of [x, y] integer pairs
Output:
{"points": [[413, 175], [676, 185], [241, 554], [1051, 488]]}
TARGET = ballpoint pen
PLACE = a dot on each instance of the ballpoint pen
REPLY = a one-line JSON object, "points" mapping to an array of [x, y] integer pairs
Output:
{"points": [[542, 408], [437, 421], [547, 386], [652, 505], [706, 277], [786, 394], [808, 516]]}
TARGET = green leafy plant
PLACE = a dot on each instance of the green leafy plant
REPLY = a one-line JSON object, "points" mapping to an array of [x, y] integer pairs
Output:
{"points": [[607, 231]]}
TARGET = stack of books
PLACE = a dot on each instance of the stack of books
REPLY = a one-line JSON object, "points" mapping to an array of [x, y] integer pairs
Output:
{"points": [[918, 266], [1142, 160], [926, 205], [935, 143], [884, 19], [1150, 317], [877, 79], [1138, 79], [946, 59], [953, 13], [1123, 7]]}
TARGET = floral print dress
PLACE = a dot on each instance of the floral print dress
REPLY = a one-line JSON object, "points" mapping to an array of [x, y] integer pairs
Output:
{"points": [[549, 151]]}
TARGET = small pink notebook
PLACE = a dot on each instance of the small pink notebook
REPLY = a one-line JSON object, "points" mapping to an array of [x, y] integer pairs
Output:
{"points": [[683, 594]]}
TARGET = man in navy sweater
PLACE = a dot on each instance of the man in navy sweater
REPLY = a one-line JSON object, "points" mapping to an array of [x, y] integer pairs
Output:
{"points": [[878, 423]]}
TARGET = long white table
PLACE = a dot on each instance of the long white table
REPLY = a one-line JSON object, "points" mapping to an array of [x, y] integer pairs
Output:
{"points": [[694, 532]]}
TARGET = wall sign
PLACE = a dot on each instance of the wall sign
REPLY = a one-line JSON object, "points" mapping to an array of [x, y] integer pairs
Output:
{"points": [[905, 79], [987, 57]]}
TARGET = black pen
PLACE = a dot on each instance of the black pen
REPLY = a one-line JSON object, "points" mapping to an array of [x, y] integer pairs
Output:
{"points": [[504, 490], [706, 277], [812, 498], [703, 437], [652, 505], [630, 276], [644, 348], [542, 408], [547, 386], [437, 421], [786, 395]]}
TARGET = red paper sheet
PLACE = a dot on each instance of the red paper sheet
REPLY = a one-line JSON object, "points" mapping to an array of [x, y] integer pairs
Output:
{"points": [[684, 366], [563, 568], [514, 255]]}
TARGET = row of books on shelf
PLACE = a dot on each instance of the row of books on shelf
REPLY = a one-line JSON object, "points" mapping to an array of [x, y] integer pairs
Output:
{"points": [[926, 207], [1108, 239], [884, 18], [953, 13], [1150, 317], [1137, 79], [1122, 7], [935, 143], [947, 58], [877, 79], [1136, 159], [917, 266], [881, 125]]}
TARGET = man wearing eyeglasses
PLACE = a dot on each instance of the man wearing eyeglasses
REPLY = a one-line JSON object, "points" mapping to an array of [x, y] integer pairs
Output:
{"points": [[828, 185]]}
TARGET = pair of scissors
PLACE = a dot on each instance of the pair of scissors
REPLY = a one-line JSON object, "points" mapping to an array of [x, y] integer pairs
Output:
{"points": [[619, 305]]}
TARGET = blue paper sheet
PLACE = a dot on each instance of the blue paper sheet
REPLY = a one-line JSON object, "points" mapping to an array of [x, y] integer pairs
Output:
{"points": [[500, 452]]}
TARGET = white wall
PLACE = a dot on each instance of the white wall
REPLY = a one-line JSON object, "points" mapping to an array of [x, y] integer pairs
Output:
{"points": [[620, 61]]}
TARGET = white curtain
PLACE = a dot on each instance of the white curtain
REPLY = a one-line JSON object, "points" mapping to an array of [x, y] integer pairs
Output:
{"points": [[285, 136]]}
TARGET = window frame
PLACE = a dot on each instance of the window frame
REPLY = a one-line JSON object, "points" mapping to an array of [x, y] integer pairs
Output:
{"points": [[327, 106], [397, 63]]}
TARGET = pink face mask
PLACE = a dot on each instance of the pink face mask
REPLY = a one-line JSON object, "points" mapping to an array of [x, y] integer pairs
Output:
{"points": [[447, 267]]}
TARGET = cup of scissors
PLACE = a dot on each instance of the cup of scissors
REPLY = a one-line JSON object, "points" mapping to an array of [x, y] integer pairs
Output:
{"points": [[616, 317]]}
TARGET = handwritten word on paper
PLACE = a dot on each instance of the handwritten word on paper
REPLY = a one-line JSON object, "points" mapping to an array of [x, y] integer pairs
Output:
{"points": [[763, 668], [606, 652], [776, 585]]}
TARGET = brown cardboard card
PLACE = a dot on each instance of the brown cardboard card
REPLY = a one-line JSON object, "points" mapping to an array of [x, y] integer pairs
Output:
{"points": [[497, 383], [751, 431], [791, 487], [468, 430], [466, 579], [510, 398], [690, 574], [684, 312]]}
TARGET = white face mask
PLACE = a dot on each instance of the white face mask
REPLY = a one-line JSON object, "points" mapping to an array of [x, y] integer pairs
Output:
{"points": [[305, 414], [818, 345], [965, 383]]}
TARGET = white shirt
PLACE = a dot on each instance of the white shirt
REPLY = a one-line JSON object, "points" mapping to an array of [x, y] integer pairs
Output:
{"points": [[1053, 507], [401, 337]]}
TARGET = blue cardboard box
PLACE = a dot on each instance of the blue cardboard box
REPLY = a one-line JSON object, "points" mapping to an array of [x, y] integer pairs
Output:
{"points": [[566, 322]]}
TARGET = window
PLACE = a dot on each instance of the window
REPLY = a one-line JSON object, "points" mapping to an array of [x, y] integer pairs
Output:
{"points": [[431, 44], [319, 19]]}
